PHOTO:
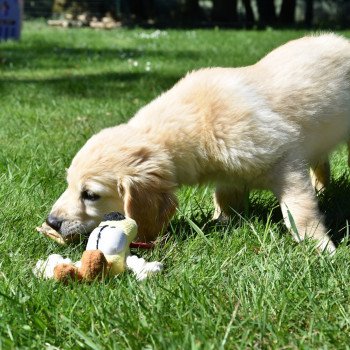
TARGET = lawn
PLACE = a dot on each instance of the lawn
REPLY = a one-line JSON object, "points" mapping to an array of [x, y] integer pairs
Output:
{"points": [[245, 285]]}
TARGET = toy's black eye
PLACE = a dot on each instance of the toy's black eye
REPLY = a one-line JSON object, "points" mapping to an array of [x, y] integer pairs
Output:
{"points": [[89, 196]]}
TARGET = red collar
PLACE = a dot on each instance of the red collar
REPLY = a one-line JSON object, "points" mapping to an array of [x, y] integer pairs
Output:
{"points": [[142, 245]]}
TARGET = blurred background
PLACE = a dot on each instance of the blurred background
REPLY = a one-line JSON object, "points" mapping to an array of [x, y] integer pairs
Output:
{"points": [[194, 13]]}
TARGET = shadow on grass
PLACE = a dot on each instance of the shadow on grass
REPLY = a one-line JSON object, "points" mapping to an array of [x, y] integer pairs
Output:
{"points": [[53, 55], [68, 62], [333, 203], [109, 84]]}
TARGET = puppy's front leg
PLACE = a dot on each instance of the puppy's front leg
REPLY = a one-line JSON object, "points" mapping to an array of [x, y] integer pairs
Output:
{"points": [[298, 202], [320, 173], [229, 200]]}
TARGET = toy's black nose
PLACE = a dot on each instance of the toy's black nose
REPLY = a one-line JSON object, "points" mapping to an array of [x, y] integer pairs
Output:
{"points": [[54, 222]]}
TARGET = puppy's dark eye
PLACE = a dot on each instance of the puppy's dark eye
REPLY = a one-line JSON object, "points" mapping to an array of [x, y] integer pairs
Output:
{"points": [[89, 196]]}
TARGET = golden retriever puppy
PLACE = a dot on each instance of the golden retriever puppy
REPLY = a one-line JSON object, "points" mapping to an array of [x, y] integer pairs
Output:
{"points": [[256, 127]]}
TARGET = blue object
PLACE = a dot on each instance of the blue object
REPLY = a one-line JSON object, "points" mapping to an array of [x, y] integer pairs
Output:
{"points": [[10, 19]]}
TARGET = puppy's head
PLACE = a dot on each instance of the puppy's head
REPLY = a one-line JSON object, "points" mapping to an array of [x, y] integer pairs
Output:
{"points": [[82, 205], [116, 170]]}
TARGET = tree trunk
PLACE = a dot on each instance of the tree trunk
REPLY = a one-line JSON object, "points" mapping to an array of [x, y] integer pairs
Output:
{"points": [[143, 10], [309, 12], [249, 14], [224, 11], [287, 14], [193, 10], [267, 12]]}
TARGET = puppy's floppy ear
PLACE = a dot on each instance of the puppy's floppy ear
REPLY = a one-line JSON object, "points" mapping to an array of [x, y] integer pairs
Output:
{"points": [[147, 188], [149, 206]]}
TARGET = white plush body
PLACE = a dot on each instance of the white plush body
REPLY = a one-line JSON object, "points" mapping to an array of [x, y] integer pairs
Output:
{"points": [[113, 238], [110, 241]]}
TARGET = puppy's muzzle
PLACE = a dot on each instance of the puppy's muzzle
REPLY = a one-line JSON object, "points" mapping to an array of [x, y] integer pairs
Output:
{"points": [[54, 222]]}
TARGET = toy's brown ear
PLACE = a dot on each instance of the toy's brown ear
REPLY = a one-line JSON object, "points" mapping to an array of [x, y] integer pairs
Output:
{"points": [[66, 272], [93, 265], [151, 208]]}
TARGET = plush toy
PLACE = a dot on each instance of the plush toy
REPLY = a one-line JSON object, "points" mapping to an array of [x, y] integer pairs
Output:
{"points": [[107, 254]]}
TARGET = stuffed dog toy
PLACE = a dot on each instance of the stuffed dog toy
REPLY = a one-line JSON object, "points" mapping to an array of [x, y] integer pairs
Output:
{"points": [[107, 254]]}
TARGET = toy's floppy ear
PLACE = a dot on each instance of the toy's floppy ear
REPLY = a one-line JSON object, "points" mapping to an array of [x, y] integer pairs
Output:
{"points": [[149, 206], [93, 265], [66, 273]]}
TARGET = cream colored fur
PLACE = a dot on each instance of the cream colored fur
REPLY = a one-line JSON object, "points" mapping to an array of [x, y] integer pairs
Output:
{"points": [[261, 126]]}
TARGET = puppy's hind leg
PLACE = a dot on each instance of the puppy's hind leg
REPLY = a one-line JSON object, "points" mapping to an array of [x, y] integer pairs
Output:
{"points": [[320, 173], [293, 188], [229, 200]]}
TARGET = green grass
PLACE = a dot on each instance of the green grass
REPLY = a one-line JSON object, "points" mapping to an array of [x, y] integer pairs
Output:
{"points": [[247, 285]]}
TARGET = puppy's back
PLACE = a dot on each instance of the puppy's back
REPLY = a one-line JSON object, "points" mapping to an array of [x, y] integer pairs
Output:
{"points": [[293, 97]]}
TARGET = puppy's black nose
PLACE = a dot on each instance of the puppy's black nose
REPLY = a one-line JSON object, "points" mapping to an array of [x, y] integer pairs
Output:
{"points": [[54, 222]]}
